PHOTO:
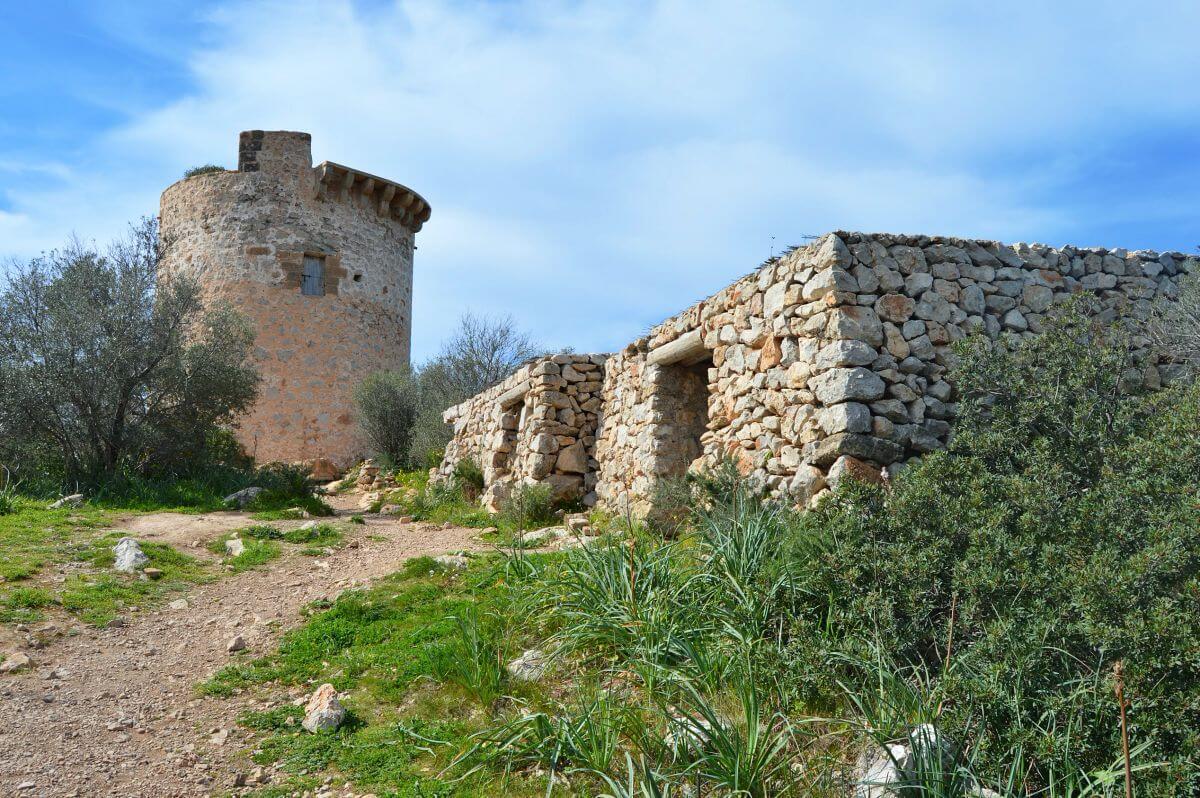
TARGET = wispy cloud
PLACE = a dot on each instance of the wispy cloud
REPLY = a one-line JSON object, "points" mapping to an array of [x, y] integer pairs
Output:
{"points": [[594, 166]]}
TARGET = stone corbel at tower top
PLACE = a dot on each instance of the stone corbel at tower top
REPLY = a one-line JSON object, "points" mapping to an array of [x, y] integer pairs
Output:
{"points": [[337, 183]]}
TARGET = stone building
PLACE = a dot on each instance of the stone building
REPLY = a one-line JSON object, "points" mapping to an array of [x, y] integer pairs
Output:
{"points": [[829, 360], [320, 261]]}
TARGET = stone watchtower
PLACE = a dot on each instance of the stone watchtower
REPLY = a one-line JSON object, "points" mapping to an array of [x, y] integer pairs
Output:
{"points": [[319, 259]]}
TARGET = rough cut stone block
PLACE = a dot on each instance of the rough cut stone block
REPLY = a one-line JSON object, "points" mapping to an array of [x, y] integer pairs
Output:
{"points": [[846, 384], [865, 447], [845, 353]]}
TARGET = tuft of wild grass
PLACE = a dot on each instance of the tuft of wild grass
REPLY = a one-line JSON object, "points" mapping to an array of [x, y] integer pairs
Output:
{"points": [[583, 736], [8, 493], [474, 659], [746, 754], [640, 781], [634, 602], [528, 506]]}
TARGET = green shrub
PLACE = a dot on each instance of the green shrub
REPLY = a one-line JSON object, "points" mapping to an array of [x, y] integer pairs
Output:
{"points": [[1056, 538], [528, 506], [101, 330], [468, 478], [386, 402]]}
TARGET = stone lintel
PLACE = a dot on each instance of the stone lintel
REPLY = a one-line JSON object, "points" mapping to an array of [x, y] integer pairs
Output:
{"points": [[683, 351]]}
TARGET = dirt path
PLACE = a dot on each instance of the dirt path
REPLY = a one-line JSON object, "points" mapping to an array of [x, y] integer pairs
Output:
{"points": [[113, 712]]}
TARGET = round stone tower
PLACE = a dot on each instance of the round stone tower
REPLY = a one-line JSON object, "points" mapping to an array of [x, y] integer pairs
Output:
{"points": [[319, 259]]}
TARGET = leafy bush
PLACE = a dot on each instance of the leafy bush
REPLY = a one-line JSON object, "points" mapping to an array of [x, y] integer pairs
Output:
{"points": [[1055, 539], [528, 506], [107, 370], [386, 402]]}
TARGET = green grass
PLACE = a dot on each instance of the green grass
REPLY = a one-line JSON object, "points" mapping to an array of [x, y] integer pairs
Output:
{"points": [[258, 552], [99, 597], [262, 543], [32, 536], [390, 647], [24, 604], [319, 535], [279, 506]]}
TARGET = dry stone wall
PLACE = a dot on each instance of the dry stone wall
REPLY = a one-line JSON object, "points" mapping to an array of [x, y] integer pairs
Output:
{"points": [[833, 359], [244, 236], [536, 427]]}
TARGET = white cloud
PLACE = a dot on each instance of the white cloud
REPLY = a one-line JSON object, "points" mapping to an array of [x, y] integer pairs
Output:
{"points": [[594, 166]]}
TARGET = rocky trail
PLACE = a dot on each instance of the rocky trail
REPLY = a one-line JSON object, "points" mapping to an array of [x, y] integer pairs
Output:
{"points": [[114, 711]]}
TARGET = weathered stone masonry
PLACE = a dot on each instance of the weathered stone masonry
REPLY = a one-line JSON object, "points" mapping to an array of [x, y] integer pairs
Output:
{"points": [[833, 358], [248, 236], [538, 425]]}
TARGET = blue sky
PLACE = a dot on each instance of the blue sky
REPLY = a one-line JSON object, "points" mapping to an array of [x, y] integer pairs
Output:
{"points": [[596, 165]]}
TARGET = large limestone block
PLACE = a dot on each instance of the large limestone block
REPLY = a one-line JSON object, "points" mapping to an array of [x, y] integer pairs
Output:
{"points": [[573, 459], [825, 452], [855, 323], [845, 353], [847, 385], [845, 417], [826, 282]]}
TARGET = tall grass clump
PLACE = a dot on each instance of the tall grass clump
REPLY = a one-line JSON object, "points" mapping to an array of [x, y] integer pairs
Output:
{"points": [[474, 659], [528, 506]]}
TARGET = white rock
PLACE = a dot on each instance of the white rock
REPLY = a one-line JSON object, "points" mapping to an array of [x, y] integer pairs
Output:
{"points": [[323, 712], [576, 522], [880, 772], [529, 667], [14, 662], [74, 500], [842, 385], [234, 547], [129, 556], [238, 643], [453, 561], [179, 604]]}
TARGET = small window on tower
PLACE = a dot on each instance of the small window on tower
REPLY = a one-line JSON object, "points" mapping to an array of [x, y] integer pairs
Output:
{"points": [[312, 283]]}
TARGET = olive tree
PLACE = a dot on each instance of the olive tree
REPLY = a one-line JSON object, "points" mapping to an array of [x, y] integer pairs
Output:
{"points": [[386, 402], [395, 407], [106, 368]]}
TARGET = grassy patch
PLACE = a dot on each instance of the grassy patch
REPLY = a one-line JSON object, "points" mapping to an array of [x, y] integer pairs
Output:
{"points": [[281, 506], [257, 551], [32, 536], [24, 604], [262, 543], [99, 597], [394, 648]]}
